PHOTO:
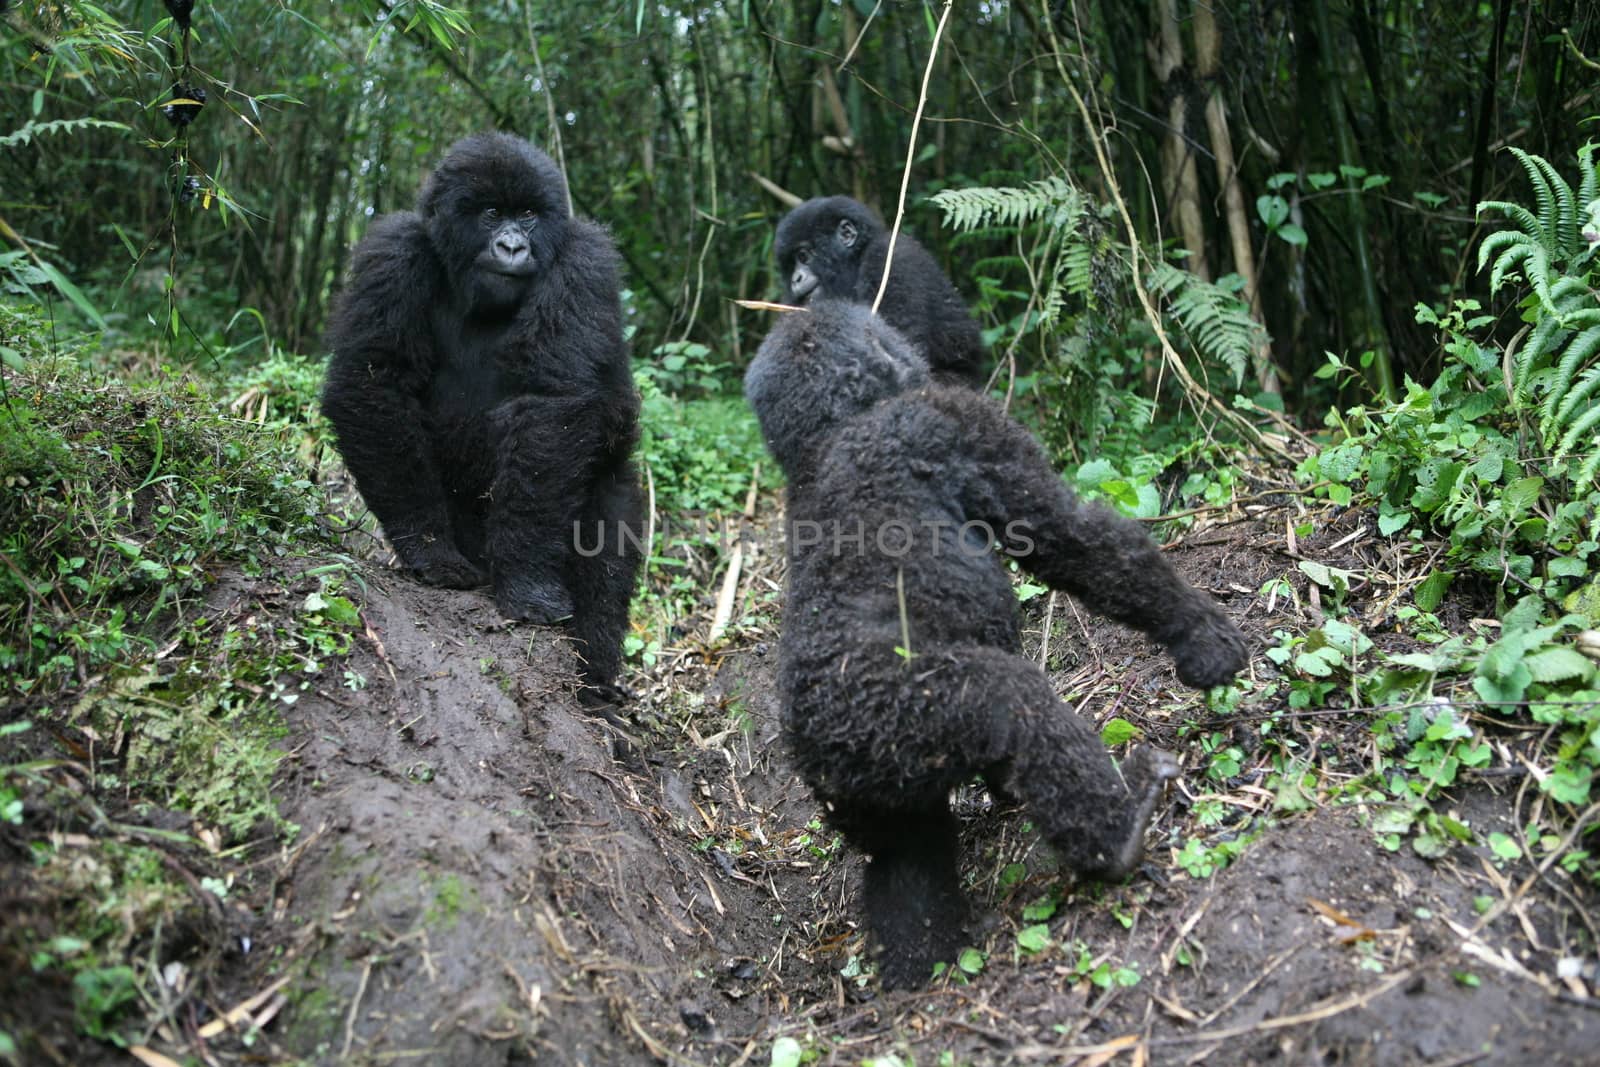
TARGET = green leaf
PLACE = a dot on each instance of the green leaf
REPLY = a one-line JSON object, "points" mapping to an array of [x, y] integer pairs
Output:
{"points": [[1523, 493], [1035, 938], [1557, 664], [1292, 234], [1505, 848], [1569, 784], [1041, 909], [1273, 210], [786, 1052], [1392, 522], [970, 961], [1118, 731], [1428, 595], [1320, 663]]}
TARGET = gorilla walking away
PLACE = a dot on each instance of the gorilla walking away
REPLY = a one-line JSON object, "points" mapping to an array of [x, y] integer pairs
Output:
{"points": [[835, 247], [481, 394], [900, 667]]}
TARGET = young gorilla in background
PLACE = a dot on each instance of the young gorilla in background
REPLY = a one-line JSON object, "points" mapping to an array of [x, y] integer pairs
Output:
{"points": [[482, 396], [833, 247], [900, 668]]}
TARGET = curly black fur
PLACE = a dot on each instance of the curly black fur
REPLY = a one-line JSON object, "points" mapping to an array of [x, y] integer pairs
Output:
{"points": [[898, 490], [834, 247], [482, 396]]}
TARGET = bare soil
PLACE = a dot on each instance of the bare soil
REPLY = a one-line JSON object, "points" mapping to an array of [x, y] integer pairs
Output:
{"points": [[489, 873]]}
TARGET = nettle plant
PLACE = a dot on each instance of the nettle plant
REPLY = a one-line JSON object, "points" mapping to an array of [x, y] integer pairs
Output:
{"points": [[1497, 459], [1499, 455]]}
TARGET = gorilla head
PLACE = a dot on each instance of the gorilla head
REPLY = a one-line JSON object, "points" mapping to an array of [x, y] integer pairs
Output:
{"points": [[496, 212], [820, 245], [838, 355], [835, 248]]}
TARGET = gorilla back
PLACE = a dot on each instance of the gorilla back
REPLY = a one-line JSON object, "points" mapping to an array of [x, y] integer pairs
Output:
{"points": [[481, 394], [900, 666]]}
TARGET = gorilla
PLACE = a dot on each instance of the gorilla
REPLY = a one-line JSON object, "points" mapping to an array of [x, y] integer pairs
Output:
{"points": [[834, 247], [481, 394], [900, 668]]}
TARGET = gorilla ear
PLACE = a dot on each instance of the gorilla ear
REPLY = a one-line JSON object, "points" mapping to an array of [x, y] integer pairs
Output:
{"points": [[847, 233]]}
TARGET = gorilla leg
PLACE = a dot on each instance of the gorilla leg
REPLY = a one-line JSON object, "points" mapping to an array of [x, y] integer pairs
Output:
{"points": [[607, 543], [535, 494], [912, 893], [973, 708], [1092, 812]]}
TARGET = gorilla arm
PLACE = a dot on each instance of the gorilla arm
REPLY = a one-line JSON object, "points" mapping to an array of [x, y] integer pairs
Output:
{"points": [[1106, 561], [377, 379]]}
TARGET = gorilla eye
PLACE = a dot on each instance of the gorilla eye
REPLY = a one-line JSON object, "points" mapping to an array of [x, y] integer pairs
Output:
{"points": [[491, 213], [803, 256], [528, 215]]}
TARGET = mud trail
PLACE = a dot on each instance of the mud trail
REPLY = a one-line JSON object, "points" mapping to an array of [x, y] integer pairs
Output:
{"points": [[478, 881]]}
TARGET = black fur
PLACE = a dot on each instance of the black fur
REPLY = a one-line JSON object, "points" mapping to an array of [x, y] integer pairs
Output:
{"points": [[481, 393], [834, 247], [886, 711]]}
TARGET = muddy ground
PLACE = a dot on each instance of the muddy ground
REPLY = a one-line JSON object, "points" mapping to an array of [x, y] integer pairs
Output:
{"points": [[489, 873]]}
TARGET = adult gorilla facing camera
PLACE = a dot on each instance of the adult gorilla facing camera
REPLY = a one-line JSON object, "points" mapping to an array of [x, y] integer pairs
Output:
{"points": [[833, 247], [900, 670], [481, 394]]}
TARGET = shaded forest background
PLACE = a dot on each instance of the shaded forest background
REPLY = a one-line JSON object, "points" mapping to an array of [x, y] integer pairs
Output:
{"points": [[1360, 132]]}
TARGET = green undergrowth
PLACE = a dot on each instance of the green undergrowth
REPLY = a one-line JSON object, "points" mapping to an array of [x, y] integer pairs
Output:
{"points": [[142, 713], [1483, 483], [701, 451]]}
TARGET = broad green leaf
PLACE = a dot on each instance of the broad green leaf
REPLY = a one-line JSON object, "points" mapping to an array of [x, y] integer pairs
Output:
{"points": [[1118, 731], [1558, 664], [1035, 938], [786, 1052], [1428, 595]]}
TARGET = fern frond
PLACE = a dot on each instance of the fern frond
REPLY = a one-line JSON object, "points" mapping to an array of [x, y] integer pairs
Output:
{"points": [[1055, 297], [1588, 469], [31, 129], [1559, 403], [1518, 214], [1531, 356], [1544, 194], [1581, 395], [1515, 245], [1218, 321], [1076, 269], [1588, 174], [1586, 424], [1053, 197]]}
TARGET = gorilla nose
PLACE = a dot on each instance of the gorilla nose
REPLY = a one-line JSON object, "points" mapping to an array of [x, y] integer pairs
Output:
{"points": [[511, 247], [801, 283]]}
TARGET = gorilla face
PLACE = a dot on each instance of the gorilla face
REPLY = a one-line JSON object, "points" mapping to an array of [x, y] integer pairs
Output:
{"points": [[496, 214], [819, 247]]}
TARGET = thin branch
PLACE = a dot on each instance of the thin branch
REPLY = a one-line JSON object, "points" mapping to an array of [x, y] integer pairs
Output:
{"points": [[911, 154]]}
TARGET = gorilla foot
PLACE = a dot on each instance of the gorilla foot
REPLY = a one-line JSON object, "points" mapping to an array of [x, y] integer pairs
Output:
{"points": [[439, 563], [1210, 651], [1146, 771], [530, 600]]}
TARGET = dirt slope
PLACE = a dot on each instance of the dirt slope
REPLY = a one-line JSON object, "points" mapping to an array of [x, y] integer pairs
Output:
{"points": [[478, 882]]}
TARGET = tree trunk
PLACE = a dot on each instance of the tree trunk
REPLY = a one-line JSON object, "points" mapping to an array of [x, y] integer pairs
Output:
{"points": [[1180, 178], [1208, 54]]}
